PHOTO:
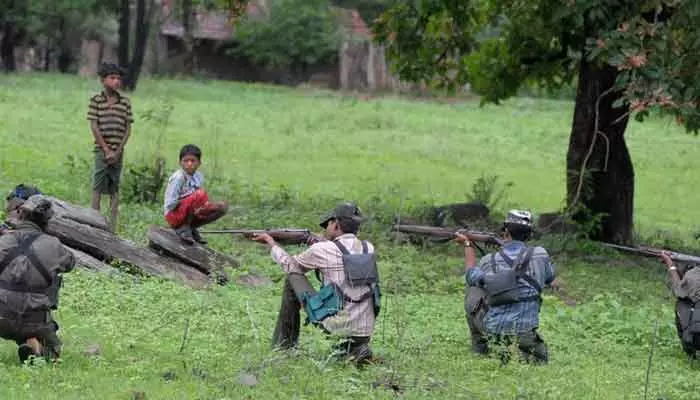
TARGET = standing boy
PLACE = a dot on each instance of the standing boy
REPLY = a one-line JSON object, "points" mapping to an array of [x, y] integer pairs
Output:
{"points": [[110, 122], [187, 205]]}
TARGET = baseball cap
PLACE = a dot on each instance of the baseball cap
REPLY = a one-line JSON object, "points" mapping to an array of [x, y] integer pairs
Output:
{"points": [[342, 210]]}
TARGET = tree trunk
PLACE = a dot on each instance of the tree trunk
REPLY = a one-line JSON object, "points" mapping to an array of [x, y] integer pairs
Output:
{"points": [[65, 53], [124, 19], [144, 15], [7, 47], [47, 55], [187, 37], [606, 189]]}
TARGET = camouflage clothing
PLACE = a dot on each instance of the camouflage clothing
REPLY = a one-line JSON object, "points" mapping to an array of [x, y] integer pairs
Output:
{"points": [[28, 292]]}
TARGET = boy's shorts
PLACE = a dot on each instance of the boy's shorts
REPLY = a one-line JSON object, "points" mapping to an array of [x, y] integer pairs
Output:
{"points": [[196, 205], [106, 177]]}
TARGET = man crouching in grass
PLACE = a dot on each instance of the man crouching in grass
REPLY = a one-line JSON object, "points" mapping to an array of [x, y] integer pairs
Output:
{"points": [[512, 280], [110, 119], [348, 302]]}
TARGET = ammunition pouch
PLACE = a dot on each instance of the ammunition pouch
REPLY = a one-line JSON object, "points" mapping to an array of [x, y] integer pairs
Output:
{"points": [[327, 302]]}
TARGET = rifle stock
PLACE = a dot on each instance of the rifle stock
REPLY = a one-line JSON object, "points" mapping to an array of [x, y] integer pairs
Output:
{"points": [[436, 231], [653, 252], [282, 236]]}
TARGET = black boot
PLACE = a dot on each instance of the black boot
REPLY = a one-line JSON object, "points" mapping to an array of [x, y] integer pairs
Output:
{"points": [[185, 234], [197, 237]]}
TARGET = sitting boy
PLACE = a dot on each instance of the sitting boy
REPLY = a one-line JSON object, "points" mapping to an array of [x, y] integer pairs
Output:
{"points": [[187, 205]]}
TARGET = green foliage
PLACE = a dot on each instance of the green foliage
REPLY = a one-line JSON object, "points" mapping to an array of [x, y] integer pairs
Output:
{"points": [[144, 182], [499, 46], [487, 190], [60, 24], [296, 34]]}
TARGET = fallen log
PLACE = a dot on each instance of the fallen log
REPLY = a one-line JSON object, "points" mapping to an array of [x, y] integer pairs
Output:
{"points": [[105, 246], [91, 263], [201, 257], [87, 216]]}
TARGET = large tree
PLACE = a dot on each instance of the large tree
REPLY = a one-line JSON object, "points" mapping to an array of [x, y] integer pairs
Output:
{"points": [[625, 57]]}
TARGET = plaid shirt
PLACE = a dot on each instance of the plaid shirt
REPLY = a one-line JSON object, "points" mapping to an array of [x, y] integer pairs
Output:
{"points": [[518, 317], [356, 319]]}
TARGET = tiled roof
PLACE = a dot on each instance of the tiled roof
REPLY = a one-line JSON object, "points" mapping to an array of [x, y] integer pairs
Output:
{"points": [[217, 25], [207, 24]]}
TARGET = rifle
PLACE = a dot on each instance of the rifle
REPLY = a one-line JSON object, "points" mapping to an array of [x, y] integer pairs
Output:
{"points": [[281, 236], [652, 252], [447, 233]]}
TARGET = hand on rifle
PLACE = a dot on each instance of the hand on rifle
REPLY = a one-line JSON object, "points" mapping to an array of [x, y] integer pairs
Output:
{"points": [[666, 259], [462, 239], [263, 238]]}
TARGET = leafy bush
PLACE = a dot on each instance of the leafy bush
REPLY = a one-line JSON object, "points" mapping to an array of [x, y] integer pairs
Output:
{"points": [[488, 191], [144, 182], [296, 34]]}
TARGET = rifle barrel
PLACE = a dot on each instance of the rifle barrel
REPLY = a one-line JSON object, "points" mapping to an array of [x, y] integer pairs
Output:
{"points": [[649, 252], [486, 237], [252, 231]]}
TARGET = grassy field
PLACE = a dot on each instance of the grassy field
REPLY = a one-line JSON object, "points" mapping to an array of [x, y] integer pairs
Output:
{"points": [[282, 157]]}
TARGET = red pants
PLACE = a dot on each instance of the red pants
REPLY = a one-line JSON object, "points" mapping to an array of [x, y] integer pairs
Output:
{"points": [[194, 209]]}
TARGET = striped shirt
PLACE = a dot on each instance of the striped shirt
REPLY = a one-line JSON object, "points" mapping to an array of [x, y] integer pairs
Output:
{"points": [[524, 316], [356, 319], [181, 185], [112, 120]]}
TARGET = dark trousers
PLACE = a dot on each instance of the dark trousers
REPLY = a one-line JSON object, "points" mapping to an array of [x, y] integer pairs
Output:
{"points": [[40, 326], [530, 344], [286, 334], [475, 310]]}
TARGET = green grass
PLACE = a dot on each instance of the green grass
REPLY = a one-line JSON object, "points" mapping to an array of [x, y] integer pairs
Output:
{"points": [[282, 157]]}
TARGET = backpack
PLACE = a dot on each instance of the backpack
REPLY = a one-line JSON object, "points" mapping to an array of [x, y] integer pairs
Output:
{"points": [[24, 248], [502, 286], [360, 270], [23, 192]]}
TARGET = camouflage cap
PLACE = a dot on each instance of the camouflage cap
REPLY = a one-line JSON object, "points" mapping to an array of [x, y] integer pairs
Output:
{"points": [[342, 210], [38, 205], [519, 217]]}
